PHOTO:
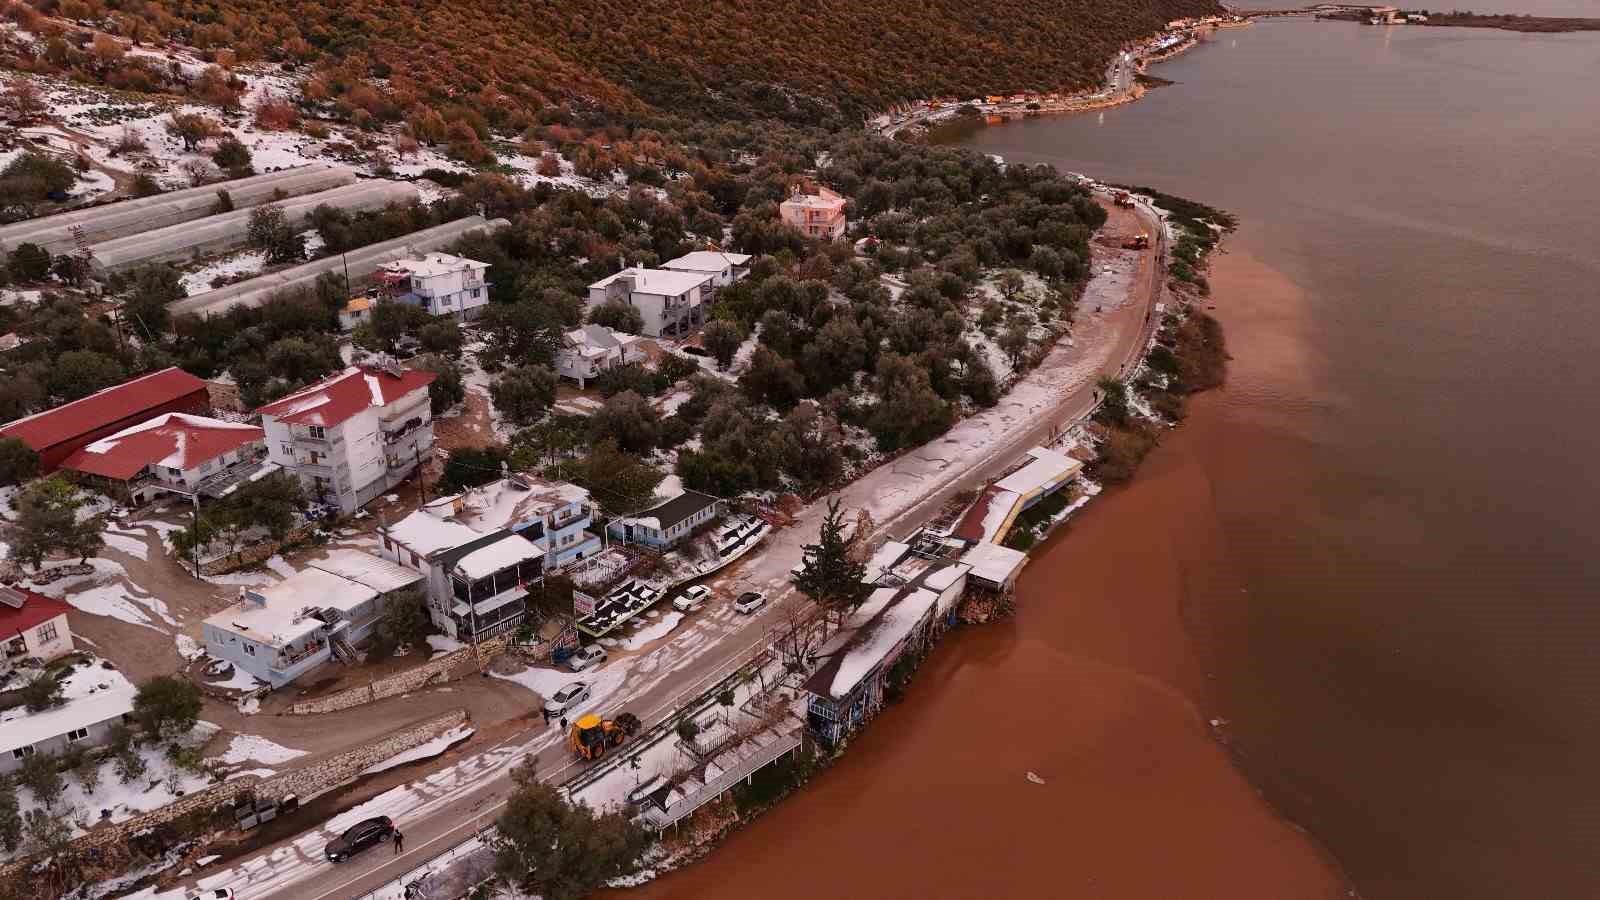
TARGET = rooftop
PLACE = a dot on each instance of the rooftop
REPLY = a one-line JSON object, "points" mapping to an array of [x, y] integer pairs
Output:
{"points": [[174, 440], [102, 408], [707, 261], [1046, 468], [598, 339], [887, 617], [35, 609], [513, 502], [367, 569], [657, 281], [431, 264], [93, 694], [994, 563], [664, 515], [284, 610], [502, 554], [339, 397]]}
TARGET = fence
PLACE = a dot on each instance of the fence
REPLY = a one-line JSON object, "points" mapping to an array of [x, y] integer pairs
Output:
{"points": [[659, 819]]}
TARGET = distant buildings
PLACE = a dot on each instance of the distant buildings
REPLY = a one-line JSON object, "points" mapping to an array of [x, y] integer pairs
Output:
{"points": [[280, 632], [59, 433], [672, 303], [587, 351], [354, 435], [32, 627], [667, 524], [479, 550], [442, 284], [724, 268], [816, 211], [173, 453]]}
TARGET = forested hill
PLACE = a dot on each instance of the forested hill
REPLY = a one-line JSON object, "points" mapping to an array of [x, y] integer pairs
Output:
{"points": [[804, 60]]}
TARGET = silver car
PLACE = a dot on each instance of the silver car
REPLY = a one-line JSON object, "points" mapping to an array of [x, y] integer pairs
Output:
{"points": [[566, 699]]}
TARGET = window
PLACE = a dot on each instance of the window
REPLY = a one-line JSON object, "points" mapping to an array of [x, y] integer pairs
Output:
{"points": [[318, 432], [46, 632], [249, 649], [288, 450], [22, 752], [476, 293], [77, 734]]}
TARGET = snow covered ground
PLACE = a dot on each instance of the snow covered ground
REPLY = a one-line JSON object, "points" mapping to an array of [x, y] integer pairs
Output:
{"points": [[251, 747], [423, 751]]}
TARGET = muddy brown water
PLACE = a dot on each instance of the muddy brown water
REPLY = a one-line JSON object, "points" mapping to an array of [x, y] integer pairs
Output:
{"points": [[1372, 554]]}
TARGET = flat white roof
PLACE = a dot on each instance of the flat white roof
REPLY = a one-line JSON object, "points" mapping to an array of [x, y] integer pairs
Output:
{"points": [[511, 501], [1047, 467], [93, 693], [706, 261], [657, 281], [897, 622], [506, 552], [884, 559], [427, 532], [435, 263], [993, 562], [367, 569], [285, 615]]}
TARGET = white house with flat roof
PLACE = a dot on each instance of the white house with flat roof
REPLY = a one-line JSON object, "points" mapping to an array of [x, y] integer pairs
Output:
{"points": [[480, 549], [279, 632], [96, 700], [590, 350], [672, 303], [724, 268], [441, 283]]}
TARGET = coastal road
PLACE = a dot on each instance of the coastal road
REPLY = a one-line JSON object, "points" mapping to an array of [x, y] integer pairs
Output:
{"points": [[467, 787]]}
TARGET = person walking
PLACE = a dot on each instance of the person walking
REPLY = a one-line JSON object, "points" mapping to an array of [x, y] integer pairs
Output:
{"points": [[399, 842]]}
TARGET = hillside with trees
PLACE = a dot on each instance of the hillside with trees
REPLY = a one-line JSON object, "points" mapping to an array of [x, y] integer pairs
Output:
{"points": [[827, 62]]}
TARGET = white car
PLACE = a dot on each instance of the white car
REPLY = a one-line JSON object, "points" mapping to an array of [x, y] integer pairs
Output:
{"points": [[588, 656], [213, 894], [691, 598], [749, 602], [566, 699]]}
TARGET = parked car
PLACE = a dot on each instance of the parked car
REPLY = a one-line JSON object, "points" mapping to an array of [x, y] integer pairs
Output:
{"points": [[800, 567], [691, 598], [588, 656], [749, 602], [359, 837], [219, 668], [213, 894], [564, 700]]}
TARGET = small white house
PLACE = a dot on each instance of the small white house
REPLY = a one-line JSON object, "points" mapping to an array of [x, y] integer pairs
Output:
{"points": [[442, 284], [724, 268], [97, 700], [668, 523], [586, 352], [671, 303]]}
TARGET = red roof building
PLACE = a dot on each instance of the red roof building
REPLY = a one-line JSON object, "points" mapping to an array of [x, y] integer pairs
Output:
{"points": [[173, 452], [31, 626], [59, 433], [338, 398]]}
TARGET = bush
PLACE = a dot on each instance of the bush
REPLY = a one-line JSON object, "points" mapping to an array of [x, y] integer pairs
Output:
{"points": [[1123, 449], [166, 706], [41, 692], [18, 462], [29, 262]]}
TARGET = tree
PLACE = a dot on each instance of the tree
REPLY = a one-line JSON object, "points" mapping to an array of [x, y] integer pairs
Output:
{"points": [[392, 320], [628, 419], [28, 262], [269, 502], [773, 379], [722, 339], [130, 764], [24, 98], [448, 388], [10, 817], [1114, 408], [795, 634], [523, 394], [617, 316], [471, 466], [1014, 343], [270, 232], [527, 331], [18, 462], [87, 773], [192, 129], [166, 706], [41, 692], [42, 776], [48, 832], [828, 575], [154, 286], [621, 483], [198, 170], [231, 154], [47, 521], [79, 373], [547, 846], [908, 410], [404, 622]]}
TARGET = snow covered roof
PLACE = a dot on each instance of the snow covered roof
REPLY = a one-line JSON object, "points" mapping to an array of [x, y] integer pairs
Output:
{"points": [[436, 263], [93, 693], [988, 515], [707, 261], [278, 614], [35, 610], [881, 624], [994, 563], [174, 440], [884, 559], [512, 502], [338, 397], [1047, 469], [427, 532], [369, 570], [664, 515], [502, 554], [592, 340], [104, 408], [657, 281]]}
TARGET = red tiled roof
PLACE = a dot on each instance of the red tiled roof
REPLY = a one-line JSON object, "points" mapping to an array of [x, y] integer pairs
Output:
{"points": [[338, 397], [37, 610], [175, 439], [97, 410]]}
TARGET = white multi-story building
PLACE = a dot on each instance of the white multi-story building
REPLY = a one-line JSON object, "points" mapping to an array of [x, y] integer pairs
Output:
{"points": [[354, 435], [671, 303], [440, 283], [586, 352], [724, 268], [479, 550]]}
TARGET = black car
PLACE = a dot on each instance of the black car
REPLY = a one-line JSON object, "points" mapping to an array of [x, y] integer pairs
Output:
{"points": [[359, 837]]}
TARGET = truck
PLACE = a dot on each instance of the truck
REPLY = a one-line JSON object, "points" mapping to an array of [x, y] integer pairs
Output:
{"points": [[591, 736], [1122, 199], [1140, 241]]}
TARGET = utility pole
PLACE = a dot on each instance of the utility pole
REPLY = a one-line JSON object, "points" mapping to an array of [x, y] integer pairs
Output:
{"points": [[194, 531]]}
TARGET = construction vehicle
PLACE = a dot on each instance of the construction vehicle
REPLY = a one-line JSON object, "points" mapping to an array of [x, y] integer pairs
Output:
{"points": [[591, 735], [1140, 241], [1123, 200]]}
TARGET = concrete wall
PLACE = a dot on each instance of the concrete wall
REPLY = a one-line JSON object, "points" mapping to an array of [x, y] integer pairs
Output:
{"points": [[362, 263], [115, 220], [225, 232], [448, 667]]}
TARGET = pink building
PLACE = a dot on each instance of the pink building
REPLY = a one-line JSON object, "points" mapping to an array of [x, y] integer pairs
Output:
{"points": [[817, 215]]}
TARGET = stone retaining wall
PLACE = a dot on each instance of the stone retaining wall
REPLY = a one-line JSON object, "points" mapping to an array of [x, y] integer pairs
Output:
{"points": [[448, 667]]}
